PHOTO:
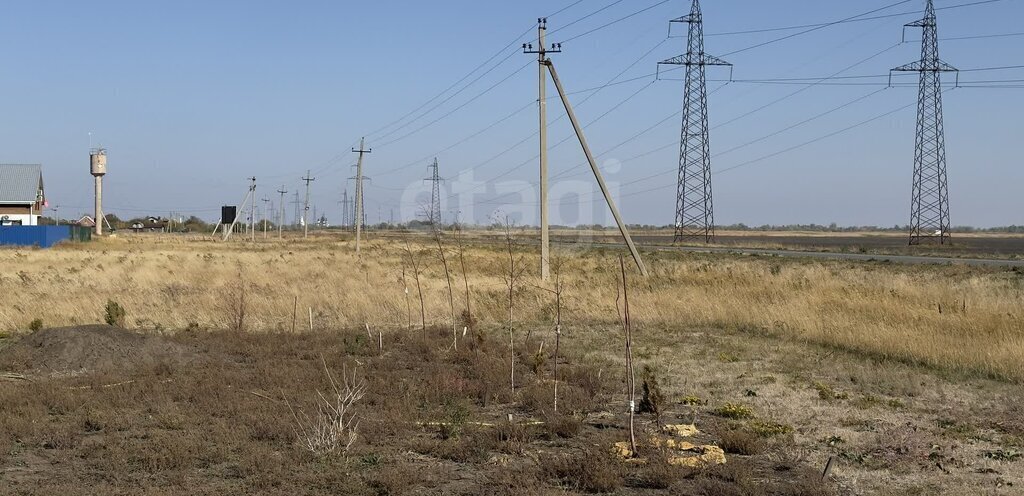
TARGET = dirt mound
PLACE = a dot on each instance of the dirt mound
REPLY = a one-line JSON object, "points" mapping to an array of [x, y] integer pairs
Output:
{"points": [[76, 350]]}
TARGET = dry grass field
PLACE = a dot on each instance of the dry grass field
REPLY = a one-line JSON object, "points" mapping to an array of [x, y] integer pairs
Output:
{"points": [[907, 377], [950, 317]]}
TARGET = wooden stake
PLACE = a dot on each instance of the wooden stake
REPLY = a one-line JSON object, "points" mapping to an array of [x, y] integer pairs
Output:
{"points": [[295, 310], [828, 468]]}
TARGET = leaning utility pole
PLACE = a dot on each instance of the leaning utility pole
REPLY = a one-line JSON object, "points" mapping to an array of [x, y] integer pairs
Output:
{"points": [[695, 211], [590, 159], [241, 208], [542, 60], [280, 223], [434, 216], [305, 211], [929, 206], [359, 189]]}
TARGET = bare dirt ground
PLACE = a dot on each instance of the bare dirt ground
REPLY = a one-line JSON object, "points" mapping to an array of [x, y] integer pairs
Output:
{"points": [[210, 413]]}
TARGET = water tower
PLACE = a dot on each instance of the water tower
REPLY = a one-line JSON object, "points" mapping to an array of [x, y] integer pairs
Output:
{"points": [[98, 168]]}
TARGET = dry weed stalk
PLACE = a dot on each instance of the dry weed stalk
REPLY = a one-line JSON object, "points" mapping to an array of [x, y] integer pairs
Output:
{"points": [[556, 266], [238, 305], [630, 375], [512, 276], [558, 322], [448, 278], [334, 425], [408, 304], [465, 275], [415, 264]]}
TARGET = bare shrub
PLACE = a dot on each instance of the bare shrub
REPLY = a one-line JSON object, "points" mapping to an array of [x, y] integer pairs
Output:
{"points": [[656, 472], [333, 426], [594, 470], [741, 442], [114, 314], [561, 426], [237, 305], [652, 399]]}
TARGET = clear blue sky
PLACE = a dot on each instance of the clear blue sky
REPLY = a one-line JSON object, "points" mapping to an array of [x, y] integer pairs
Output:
{"points": [[191, 97]]}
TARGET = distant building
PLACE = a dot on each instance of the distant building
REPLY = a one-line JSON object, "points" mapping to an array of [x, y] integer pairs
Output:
{"points": [[86, 221], [150, 224], [22, 197]]}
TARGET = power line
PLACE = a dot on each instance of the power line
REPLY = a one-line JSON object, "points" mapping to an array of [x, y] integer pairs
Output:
{"points": [[616, 21], [456, 83], [456, 109], [764, 157], [593, 92], [564, 140], [442, 102], [775, 133], [581, 19], [816, 28], [504, 49], [860, 19]]}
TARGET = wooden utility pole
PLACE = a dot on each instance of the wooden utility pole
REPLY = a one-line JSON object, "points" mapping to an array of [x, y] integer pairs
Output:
{"points": [[280, 223], [542, 60], [305, 211], [252, 213], [265, 202], [359, 189]]}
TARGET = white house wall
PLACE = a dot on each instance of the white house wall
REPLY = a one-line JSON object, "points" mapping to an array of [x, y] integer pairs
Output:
{"points": [[25, 219]]}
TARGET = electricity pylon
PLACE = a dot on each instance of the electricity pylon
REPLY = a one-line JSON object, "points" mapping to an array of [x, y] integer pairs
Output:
{"points": [[695, 211], [346, 212], [929, 205], [298, 210], [434, 216]]}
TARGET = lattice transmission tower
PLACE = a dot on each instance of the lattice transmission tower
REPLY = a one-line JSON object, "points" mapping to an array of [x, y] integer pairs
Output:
{"points": [[929, 211], [346, 210], [434, 215], [695, 212]]}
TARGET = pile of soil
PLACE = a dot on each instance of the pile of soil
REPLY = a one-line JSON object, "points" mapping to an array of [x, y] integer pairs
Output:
{"points": [[82, 349]]}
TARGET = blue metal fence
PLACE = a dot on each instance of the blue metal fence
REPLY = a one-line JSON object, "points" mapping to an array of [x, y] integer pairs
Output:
{"points": [[41, 236]]}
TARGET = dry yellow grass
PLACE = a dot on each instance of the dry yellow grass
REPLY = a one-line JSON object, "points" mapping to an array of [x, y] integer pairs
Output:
{"points": [[176, 282]]}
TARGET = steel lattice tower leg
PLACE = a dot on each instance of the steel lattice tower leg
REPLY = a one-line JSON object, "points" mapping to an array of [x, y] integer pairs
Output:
{"points": [[695, 213], [929, 211]]}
